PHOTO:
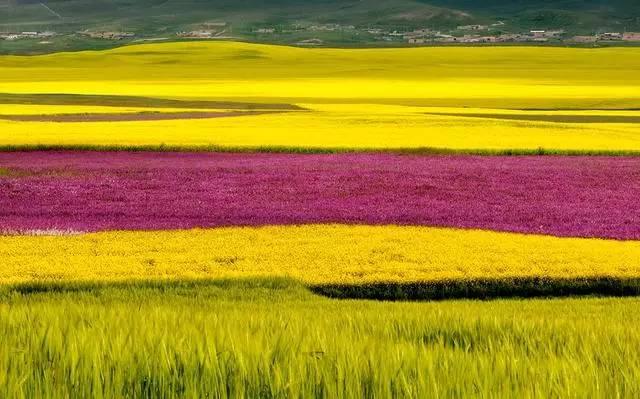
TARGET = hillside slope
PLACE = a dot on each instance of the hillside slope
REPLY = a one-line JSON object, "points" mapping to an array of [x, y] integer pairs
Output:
{"points": [[335, 22]]}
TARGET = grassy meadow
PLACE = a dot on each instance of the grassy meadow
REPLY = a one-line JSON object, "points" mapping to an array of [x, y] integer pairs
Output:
{"points": [[271, 338]]}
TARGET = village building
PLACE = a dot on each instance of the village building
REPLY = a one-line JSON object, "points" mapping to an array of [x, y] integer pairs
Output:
{"points": [[420, 34], [489, 39], [331, 27], [509, 37], [554, 34], [199, 34], [631, 36], [108, 35], [584, 39], [27, 35], [610, 36], [442, 38], [478, 39], [538, 34]]}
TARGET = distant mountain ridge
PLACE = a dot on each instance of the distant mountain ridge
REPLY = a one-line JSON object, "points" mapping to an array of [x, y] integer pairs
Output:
{"points": [[573, 14]]}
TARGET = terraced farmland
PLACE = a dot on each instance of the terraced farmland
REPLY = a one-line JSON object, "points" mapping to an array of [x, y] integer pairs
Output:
{"points": [[193, 219]]}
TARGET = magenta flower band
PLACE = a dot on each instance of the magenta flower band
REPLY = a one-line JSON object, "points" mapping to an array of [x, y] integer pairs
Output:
{"points": [[93, 191]]}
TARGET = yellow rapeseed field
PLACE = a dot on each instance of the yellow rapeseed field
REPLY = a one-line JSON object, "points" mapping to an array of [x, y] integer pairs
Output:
{"points": [[314, 254], [358, 126], [357, 99], [231, 69]]}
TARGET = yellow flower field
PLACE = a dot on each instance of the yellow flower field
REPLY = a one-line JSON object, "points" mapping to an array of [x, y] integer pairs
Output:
{"points": [[355, 99], [231, 69], [314, 254], [335, 126]]}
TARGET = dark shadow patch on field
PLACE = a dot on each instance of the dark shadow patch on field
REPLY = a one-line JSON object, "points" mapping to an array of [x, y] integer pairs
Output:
{"points": [[249, 55], [547, 118], [77, 286], [130, 116], [534, 287], [274, 288], [488, 103], [612, 108], [134, 101], [150, 53]]}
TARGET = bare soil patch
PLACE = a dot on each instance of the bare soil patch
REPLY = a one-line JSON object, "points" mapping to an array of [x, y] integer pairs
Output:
{"points": [[547, 118], [133, 101]]}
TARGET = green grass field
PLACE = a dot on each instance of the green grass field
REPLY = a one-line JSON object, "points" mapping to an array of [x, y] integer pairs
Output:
{"points": [[272, 338]]}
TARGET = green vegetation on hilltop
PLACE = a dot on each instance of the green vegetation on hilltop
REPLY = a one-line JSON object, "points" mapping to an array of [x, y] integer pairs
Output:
{"points": [[291, 20]]}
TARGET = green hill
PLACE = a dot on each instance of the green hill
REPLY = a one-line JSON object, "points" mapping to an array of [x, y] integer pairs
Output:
{"points": [[295, 20]]}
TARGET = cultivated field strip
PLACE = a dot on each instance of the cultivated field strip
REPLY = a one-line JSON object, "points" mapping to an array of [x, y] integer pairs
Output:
{"points": [[167, 69], [92, 191], [330, 255], [488, 101], [324, 128]]}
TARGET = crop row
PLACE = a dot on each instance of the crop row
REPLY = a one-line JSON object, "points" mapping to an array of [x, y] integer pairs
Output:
{"points": [[88, 191]]}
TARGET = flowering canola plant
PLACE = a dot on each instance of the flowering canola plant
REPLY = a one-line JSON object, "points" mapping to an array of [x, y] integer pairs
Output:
{"points": [[250, 70], [349, 103], [314, 254], [339, 126]]}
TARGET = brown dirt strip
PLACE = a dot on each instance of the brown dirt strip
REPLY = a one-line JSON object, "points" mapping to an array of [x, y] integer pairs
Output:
{"points": [[139, 102], [131, 117]]}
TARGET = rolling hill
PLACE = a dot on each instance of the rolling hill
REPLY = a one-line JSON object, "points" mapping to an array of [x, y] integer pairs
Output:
{"points": [[291, 19]]}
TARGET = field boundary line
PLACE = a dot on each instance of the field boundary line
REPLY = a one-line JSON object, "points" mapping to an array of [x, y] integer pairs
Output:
{"points": [[314, 150]]}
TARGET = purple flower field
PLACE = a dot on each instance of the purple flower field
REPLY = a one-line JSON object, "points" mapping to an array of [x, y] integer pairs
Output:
{"points": [[91, 191]]}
